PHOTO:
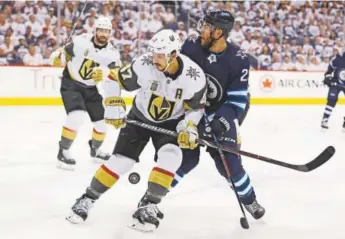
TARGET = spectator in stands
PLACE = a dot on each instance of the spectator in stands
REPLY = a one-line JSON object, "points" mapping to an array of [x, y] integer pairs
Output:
{"points": [[300, 64], [287, 64], [325, 63], [45, 34], [18, 25], [246, 44], [22, 47], [314, 64], [143, 23], [339, 46], [48, 24], [125, 54], [276, 65], [36, 27], [3, 24], [328, 48], [265, 58], [6, 48], [169, 17], [32, 58], [91, 14], [182, 30], [300, 51], [69, 12], [310, 54], [29, 37], [154, 24], [105, 12], [46, 56], [89, 25], [131, 29], [117, 39], [317, 27], [236, 35], [52, 15]]}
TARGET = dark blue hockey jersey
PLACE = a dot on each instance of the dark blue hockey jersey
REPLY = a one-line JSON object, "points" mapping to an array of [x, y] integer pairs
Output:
{"points": [[337, 67], [227, 76]]}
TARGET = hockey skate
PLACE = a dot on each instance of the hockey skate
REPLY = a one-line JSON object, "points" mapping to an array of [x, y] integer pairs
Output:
{"points": [[65, 160], [324, 125], [80, 209], [146, 217], [97, 155], [143, 202], [256, 210]]}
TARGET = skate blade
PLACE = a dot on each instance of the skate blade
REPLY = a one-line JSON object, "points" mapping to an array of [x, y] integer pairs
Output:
{"points": [[74, 218], [62, 165], [147, 227], [98, 160]]}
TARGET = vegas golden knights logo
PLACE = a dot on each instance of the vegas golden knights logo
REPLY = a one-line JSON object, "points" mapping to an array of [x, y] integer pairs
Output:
{"points": [[160, 108], [86, 68]]}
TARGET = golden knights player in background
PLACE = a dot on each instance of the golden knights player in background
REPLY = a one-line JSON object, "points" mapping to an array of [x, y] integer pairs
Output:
{"points": [[84, 58], [171, 95]]}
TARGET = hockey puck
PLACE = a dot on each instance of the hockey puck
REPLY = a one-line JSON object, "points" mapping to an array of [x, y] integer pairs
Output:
{"points": [[244, 223], [134, 178]]}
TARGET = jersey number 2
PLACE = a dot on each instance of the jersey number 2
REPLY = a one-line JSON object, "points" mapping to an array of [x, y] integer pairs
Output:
{"points": [[244, 77]]}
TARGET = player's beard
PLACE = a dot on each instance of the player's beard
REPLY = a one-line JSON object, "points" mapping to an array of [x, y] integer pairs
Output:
{"points": [[206, 43], [102, 40]]}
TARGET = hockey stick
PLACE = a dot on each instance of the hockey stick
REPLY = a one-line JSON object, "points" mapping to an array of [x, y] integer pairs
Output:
{"points": [[322, 158], [75, 21], [243, 220]]}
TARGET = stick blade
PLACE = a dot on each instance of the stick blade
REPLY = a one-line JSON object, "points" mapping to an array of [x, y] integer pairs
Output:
{"points": [[326, 155]]}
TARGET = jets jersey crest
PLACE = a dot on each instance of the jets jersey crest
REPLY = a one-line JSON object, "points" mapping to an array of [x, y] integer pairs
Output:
{"points": [[227, 74]]}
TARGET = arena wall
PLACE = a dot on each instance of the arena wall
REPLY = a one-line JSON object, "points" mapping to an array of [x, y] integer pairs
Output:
{"points": [[40, 86]]}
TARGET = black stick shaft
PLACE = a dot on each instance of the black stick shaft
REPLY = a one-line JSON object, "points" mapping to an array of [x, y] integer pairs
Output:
{"points": [[227, 170]]}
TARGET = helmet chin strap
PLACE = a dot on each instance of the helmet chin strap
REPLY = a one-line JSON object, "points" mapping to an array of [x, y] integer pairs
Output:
{"points": [[167, 56]]}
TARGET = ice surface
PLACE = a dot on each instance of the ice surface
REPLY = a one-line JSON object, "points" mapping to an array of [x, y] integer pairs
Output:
{"points": [[35, 196]]}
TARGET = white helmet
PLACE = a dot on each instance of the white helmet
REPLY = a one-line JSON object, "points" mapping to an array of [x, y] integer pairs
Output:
{"points": [[165, 42], [103, 23]]}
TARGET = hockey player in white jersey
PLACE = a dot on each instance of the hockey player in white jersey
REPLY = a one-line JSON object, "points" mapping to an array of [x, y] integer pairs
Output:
{"points": [[84, 59], [171, 95]]}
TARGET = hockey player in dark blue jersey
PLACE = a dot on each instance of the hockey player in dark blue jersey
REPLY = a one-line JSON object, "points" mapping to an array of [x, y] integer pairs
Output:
{"points": [[227, 70], [335, 80], [226, 67]]}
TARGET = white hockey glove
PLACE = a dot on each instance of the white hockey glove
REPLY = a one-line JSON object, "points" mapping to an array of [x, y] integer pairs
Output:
{"points": [[187, 134], [115, 111], [58, 58]]}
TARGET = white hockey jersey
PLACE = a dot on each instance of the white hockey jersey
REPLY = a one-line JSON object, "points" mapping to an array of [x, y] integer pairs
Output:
{"points": [[161, 98], [85, 56]]}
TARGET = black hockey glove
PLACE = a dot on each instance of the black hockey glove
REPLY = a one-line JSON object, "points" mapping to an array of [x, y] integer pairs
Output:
{"points": [[330, 80], [220, 126]]}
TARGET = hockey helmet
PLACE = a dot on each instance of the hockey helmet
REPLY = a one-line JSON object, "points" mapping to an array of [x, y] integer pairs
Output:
{"points": [[218, 19], [165, 42], [103, 23]]}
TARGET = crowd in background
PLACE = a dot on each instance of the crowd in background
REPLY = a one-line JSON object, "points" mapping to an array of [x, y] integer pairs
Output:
{"points": [[283, 35]]}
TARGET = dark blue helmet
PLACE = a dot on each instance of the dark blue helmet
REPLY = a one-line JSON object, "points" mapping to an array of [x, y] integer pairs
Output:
{"points": [[220, 19]]}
